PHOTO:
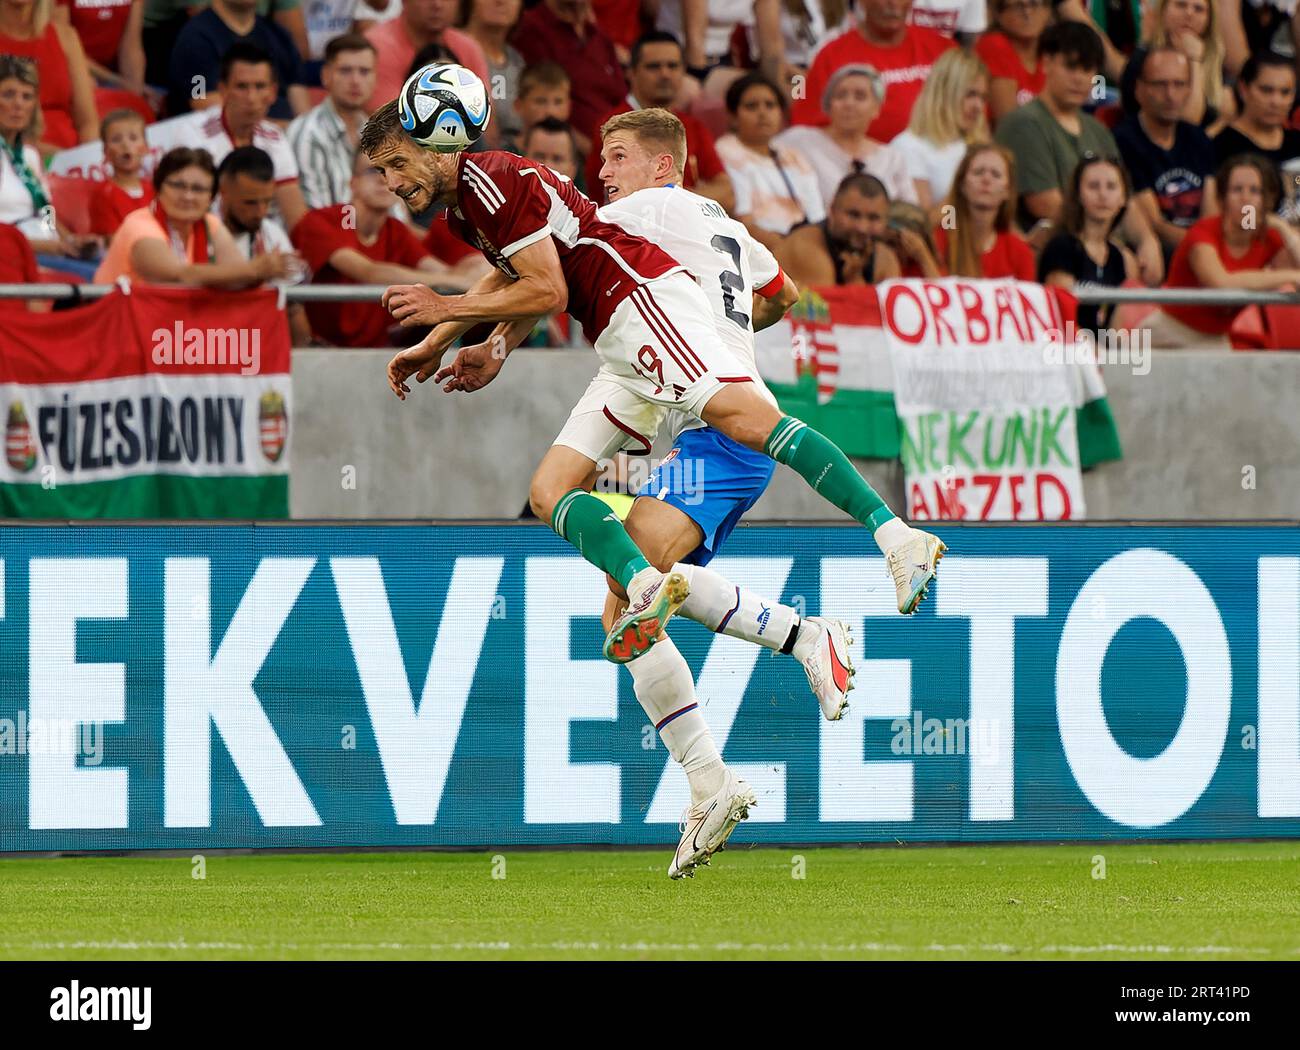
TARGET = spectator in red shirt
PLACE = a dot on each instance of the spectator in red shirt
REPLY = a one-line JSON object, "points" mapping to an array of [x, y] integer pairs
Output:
{"points": [[656, 73], [17, 266], [124, 148], [363, 245], [979, 210], [902, 53], [563, 31], [111, 32], [1011, 53], [67, 90], [621, 21], [1229, 250]]}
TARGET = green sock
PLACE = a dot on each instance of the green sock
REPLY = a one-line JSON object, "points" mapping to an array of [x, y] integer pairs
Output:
{"points": [[590, 525], [820, 462]]}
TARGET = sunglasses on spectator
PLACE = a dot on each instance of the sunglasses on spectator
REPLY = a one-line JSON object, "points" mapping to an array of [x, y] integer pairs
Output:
{"points": [[179, 186]]}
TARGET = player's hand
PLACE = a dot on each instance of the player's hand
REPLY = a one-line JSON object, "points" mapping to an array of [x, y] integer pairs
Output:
{"points": [[420, 361], [474, 367], [415, 304]]}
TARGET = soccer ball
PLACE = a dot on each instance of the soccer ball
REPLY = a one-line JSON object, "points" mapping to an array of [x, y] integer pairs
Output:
{"points": [[444, 108]]}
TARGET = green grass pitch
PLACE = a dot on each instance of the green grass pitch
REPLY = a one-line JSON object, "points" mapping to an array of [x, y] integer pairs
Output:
{"points": [[1201, 901]]}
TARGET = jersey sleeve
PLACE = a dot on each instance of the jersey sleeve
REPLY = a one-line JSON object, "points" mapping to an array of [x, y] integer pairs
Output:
{"points": [[511, 208], [763, 268]]}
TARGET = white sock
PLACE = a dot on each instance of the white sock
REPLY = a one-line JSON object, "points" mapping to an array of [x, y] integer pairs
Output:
{"points": [[892, 533], [661, 679], [727, 609]]}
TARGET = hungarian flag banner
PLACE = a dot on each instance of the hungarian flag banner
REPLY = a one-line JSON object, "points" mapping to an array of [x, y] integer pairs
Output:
{"points": [[976, 385], [160, 403]]}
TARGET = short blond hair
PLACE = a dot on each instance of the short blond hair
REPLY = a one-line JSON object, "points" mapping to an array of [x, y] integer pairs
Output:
{"points": [[656, 129]]}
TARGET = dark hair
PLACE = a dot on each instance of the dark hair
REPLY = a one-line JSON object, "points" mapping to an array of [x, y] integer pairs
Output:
{"points": [[1255, 65], [1072, 208], [867, 185], [736, 93], [653, 37], [247, 160], [431, 54], [242, 51], [346, 42], [555, 126], [180, 158], [1268, 179], [384, 126], [1078, 44]]}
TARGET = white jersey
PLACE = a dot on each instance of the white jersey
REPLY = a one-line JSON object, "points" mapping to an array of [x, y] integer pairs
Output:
{"points": [[729, 265]]}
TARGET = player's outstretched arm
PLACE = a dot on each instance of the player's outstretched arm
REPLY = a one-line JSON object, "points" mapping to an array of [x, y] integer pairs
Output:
{"points": [[476, 366]]}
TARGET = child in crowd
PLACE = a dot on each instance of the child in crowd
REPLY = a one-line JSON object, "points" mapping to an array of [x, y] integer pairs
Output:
{"points": [[122, 132]]}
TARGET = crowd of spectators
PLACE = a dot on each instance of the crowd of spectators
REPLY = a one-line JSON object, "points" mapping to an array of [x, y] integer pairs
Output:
{"points": [[1141, 143]]}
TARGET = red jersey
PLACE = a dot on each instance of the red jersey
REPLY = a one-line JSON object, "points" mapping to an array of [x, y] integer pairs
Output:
{"points": [[100, 25], [110, 204], [1010, 256], [1215, 320], [506, 203]]}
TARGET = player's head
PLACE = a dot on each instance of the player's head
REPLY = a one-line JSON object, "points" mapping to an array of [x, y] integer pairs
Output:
{"points": [[859, 210], [551, 142], [246, 180], [418, 176], [248, 84], [644, 148]]}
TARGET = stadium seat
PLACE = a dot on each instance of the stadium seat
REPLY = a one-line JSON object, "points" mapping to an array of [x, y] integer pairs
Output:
{"points": [[71, 199], [109, 99]]}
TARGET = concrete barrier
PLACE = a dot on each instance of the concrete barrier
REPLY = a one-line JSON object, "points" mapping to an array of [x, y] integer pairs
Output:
{"points": [[1191, 427]]}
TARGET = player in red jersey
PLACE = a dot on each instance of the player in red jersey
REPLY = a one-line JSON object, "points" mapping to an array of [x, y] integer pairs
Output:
{"points": [[653, 329]]}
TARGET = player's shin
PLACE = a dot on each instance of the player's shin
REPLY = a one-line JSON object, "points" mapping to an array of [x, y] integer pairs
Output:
{"points": [[589, 524], [821, 463], [725, 608], [666, 691]]}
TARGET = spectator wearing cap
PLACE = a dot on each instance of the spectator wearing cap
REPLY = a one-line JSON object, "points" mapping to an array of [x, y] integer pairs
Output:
{"points": [[177, 239], [564, 32], [324, 139], [851, 99], [247, 93], [197, 63], [24, 193], [113, 199], [847, 247], [367, 246], [1170, 160], [1050, 135], [422, 22], [1010, 52], [949, 116], [656, 75], [67, 92], [776, 188], [882, 39], [978, 240]]}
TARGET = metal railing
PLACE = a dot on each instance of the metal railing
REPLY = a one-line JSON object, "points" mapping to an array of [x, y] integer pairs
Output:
{"points": [[360, 293]]}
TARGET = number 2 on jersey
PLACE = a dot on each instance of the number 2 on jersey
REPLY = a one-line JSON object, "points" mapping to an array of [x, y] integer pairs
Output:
{"points": [[732, 282]]}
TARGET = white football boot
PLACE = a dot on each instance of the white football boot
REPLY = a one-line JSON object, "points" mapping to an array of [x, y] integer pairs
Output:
{"points": [[707, 825], [653, 598], [913, 564], [827, 664]]}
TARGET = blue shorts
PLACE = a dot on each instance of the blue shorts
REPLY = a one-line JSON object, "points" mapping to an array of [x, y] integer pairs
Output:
{"points": [[713, 481]]}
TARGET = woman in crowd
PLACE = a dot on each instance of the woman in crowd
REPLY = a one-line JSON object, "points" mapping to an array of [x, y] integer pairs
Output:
{"points": [[852, 99], [177, 240], [776, 189], [490, 22], [24, 194], [974, 238], [1010, 51], [67, 91], [949, 116], [1084, 248], [1266, 93], [1229, 250], [1193, 27]]}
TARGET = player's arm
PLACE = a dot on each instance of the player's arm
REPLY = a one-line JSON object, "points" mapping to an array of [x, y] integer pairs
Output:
{"points": [[771, 306], [476, 366], [539, 291]]}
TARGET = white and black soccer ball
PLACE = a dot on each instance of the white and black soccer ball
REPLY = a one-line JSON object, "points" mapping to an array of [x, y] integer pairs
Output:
{"points": [[444, 107]]}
